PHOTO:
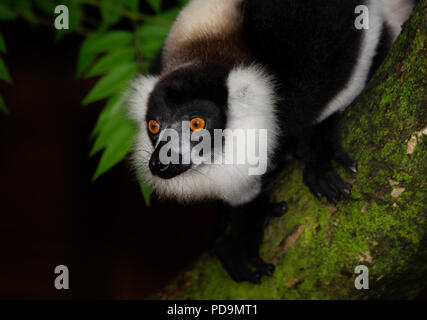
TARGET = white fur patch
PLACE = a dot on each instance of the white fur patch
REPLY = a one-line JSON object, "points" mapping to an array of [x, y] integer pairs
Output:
{"points": [[204, 17], [395, 13], [141, 89], [200, 19], [251, 105], [363, 65]]}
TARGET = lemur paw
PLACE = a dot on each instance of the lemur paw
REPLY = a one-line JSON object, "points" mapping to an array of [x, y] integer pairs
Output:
{"points": [[345, 161], [239, 265], [326, 183], [262, 267], [279, 209], [276, 210]]}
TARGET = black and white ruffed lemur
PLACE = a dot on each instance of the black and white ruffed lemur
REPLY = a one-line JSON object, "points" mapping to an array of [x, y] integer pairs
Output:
{"points": [[288, 66]]}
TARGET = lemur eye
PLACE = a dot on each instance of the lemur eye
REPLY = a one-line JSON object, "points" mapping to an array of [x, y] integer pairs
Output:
{"points": [[197, 124], [153, 126]]}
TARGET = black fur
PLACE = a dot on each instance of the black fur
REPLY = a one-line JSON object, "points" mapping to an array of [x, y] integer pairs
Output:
{"points": [[197, 90], [186, 93], [311, 47], [239, 249]]}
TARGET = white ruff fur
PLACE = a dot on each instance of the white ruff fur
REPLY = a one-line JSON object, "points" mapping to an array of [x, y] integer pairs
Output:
{"points": [[251, 105]]}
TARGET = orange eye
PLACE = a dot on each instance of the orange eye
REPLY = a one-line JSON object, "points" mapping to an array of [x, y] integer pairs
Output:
{"points": [[197, 124], [153, 127]]}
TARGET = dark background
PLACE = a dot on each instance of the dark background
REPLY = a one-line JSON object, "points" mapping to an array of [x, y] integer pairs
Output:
{"points": [[51, 213]]}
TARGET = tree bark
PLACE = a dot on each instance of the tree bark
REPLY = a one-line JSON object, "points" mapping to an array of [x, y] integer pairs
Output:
{"points": [[316, 246]]}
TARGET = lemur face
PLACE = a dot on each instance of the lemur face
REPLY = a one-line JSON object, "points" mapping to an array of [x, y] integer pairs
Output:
{"points": [[195, 100], [184, 110]]}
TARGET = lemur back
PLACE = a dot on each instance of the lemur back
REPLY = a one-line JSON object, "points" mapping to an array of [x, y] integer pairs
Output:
{"points": [[309, 46]]}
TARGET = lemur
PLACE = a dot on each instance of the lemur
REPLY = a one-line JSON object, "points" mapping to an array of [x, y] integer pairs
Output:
{"points": [[290, 67]]}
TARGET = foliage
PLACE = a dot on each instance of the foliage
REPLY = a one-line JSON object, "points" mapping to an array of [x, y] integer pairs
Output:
{"points": [[117, 45]]}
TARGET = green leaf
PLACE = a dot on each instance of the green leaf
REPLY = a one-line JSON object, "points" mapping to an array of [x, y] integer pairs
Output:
{"points": [[112, 83], [118, 147], [2, 44], [146, 192], [77, 15], [151, 38], [99, 42], [169, 16], [111, 108], [112, 61], [85, 56], [24, 6], [150, 49], [109, 16], [6, 13], [45, 6], [4, 74], [59, 34], [109, 41], [155, 5], [115, 119], [149, 31], [109, 129], [3, 106], [131, 4], [145, 66]]}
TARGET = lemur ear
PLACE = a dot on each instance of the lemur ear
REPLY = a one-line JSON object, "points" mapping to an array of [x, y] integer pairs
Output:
{"points": [[138, 95]]}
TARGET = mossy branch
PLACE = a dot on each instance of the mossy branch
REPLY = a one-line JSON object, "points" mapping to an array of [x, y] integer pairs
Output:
{"points": [[316, 246]]}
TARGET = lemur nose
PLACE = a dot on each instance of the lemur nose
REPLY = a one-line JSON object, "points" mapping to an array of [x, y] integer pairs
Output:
{"points": [[157, 166]]}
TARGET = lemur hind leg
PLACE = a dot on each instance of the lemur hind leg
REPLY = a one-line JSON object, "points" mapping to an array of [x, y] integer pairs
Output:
{"points": [[318, 148], [238, 250]]}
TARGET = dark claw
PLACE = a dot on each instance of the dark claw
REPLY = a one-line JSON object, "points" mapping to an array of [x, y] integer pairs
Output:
{"points": [[334, 180], [266, 221], [262, 267], [334, 201], [347, 189], [353, 167], [237, 263], [279, 209], [329, 193], [326, 183], [269, 270], [256, 278], [244, 274], [348, 163], [332, 198]]}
